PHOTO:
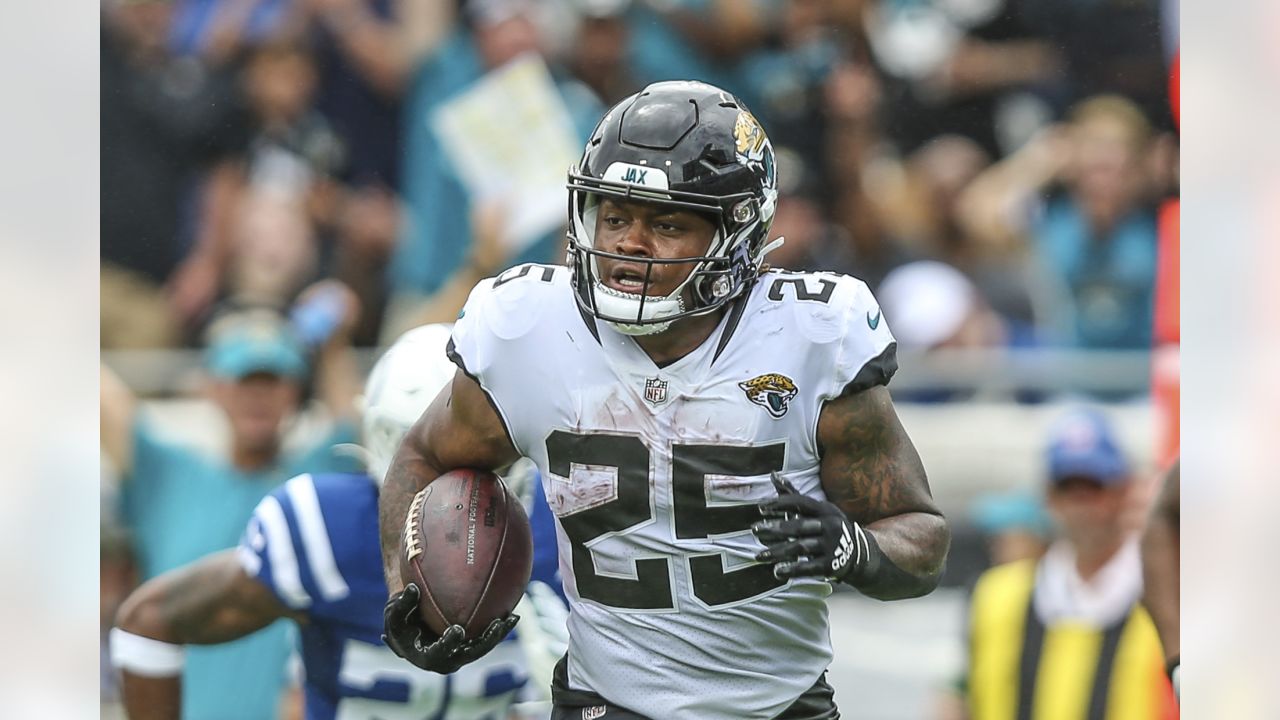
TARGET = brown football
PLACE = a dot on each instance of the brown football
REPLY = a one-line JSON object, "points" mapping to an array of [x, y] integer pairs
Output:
{"points": [[468, 548]]}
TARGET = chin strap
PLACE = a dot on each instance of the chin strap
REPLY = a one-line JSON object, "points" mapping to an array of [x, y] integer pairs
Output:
{"points": [[643, 329], [768, 248], [607, 309]]}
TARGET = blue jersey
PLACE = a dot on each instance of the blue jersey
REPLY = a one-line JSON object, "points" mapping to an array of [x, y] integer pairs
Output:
{"points": [[314, 543]]}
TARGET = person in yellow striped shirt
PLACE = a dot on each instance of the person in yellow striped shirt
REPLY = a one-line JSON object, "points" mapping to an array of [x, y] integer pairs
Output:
{"points": [[1064, 637]]}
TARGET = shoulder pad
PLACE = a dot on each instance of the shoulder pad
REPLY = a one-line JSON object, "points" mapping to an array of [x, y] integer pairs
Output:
{"points": [[510, 304], [841, 318], [822, 303]]}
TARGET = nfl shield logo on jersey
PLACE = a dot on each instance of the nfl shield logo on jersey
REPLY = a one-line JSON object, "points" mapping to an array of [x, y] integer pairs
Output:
{"points": [[655, 391]]}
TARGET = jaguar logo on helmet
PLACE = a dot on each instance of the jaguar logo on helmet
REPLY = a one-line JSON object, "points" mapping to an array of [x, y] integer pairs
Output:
{"points": [[749, 138], [771, 391]]}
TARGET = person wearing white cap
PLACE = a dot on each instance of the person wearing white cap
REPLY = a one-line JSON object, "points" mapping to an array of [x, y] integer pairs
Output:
{"points": [[933, 305]]}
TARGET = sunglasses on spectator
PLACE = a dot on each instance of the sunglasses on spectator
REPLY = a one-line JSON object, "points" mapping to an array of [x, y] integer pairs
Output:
{"points": [[1078, 483]]}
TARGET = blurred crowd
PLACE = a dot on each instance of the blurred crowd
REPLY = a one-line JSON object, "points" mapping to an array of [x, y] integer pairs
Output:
{"points": [[992, 168]]}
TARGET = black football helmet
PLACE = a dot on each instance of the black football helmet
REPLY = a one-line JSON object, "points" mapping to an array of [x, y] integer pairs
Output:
{"points": [[687, 144]]}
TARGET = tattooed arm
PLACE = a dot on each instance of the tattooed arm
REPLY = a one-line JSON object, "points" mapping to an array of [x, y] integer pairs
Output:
{"points": [[872, 472], [459, 429], [210, 601]]}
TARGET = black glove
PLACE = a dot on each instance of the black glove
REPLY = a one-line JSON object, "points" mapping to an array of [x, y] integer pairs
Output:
{"points": [[806, 537], [407, 636]]}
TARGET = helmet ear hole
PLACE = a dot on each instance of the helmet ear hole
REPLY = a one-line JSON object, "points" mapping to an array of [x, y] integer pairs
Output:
{"points": [[720, 287], [714, 283]]}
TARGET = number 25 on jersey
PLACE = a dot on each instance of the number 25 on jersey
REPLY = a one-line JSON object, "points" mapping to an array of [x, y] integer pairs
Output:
{"points": [[693, 518]]}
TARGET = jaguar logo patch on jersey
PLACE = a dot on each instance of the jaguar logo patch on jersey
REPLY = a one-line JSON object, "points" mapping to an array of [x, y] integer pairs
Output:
{"points": [[771, 391]]}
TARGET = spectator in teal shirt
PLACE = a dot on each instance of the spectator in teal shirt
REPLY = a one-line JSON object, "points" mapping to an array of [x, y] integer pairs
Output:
{"points": [[1098, 238], [182, 502], [1094, 238]]}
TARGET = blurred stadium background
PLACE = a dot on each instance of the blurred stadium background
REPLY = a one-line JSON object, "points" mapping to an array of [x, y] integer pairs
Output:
{"points": [[1003, 173]]}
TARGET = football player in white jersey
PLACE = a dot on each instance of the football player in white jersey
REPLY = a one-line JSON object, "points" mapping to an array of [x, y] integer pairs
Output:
{"points": [[715, 438]]}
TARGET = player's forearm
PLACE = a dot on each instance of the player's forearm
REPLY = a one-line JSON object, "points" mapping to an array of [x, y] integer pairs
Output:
{"points": [[408, 474], [908, 553], [151, 698], [1160, 574], [150, 658], [211, 601], [872, 472]]}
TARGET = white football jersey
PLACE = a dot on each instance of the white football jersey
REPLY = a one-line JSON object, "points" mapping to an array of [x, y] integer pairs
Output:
{"points": [[654, 475]]}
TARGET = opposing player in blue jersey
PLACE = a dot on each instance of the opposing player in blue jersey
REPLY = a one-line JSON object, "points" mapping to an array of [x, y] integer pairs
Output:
{"points": [[310, 553]]}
